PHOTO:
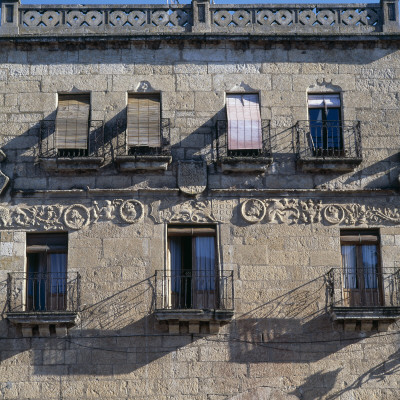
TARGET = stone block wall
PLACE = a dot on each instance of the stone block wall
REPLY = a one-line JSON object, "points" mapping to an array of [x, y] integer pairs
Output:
{"points": [[281, 342]]}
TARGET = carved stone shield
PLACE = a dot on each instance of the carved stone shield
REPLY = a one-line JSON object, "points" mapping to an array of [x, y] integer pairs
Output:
{"points": [[192, 177]]}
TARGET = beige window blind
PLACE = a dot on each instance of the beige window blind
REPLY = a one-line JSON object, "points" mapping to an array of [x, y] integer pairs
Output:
{"points": [[144, 120], [72, 121], [244, 122]]}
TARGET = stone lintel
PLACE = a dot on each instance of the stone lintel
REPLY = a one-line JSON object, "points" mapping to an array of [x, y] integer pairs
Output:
{"points": [[365, 313], [42, 318]]}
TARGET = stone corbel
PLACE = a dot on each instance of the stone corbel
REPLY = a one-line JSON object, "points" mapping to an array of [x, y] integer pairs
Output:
{"points": [[4, 179]]}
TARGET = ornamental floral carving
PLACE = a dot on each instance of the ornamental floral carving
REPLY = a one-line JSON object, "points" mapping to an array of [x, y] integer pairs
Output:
{"points": [[312, 211], [75, 216]]}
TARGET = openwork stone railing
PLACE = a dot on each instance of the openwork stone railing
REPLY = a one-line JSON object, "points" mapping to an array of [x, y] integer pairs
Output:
{"points": [[200, 16]]}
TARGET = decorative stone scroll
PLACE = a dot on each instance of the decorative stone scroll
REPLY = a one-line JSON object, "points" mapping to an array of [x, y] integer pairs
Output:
{"points": [[75, 216], [4, 179], [310, 211]]}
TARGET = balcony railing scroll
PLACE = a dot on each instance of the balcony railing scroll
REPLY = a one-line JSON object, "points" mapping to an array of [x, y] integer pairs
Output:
{"points": [[363, 288], [124, 149], [43, 292], [199, 16], [194, 290], [336, 139], [48, 141], [223, 148]]}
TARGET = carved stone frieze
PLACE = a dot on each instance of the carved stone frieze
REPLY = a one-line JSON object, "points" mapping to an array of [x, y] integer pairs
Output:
{"points": [[310, 211], [192, 177], [75, 216], [188, 211]]}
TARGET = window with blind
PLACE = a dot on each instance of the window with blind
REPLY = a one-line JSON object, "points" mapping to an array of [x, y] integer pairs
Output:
{"points": [[72, 124], [192, 264], [324, 113], [360, 268], [144, 117], [244, 122], [46, 272]]}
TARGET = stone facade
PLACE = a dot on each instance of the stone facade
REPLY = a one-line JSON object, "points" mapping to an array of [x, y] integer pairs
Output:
{"points": [[277, 328]]}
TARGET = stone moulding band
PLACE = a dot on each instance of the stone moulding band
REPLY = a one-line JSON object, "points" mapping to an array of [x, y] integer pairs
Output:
{"points": [[250, 210], [200, 16]]}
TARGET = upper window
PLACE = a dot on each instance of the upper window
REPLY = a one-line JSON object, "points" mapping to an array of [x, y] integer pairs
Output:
{"points": [[46, 272], [360, 265], [192, 265], [325, 124], [244, 122], [72, 124], [144, 130]]}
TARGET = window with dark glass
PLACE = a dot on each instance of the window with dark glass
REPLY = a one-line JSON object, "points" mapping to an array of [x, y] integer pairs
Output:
{"points": [[324, 114], [192, 267], [244, 123], [360, 268], [72, 125], [46, 272], [144, 123]]}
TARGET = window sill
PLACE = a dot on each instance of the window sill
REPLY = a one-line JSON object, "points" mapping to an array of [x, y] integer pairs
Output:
{"points": [[30, 319], [71, 164], [176, 318], [142, 163], [328, 164], [245, 164]]}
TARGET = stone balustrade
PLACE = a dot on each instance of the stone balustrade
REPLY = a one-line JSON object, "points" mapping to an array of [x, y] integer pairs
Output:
{"points": [[198, 17]]}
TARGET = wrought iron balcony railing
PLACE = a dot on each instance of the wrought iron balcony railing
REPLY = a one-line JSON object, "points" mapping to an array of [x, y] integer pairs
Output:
{"points": [[328, 139], [124, 149], [43, 292], [48, 142], [363, 288], [194, 290], [254, 148]]}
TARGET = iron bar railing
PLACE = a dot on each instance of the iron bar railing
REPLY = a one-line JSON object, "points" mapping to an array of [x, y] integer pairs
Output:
{"points": [[363, 288], [320, 139], [48, 141], [194, 290], [124, 149], [43, 292], [260, 149]]}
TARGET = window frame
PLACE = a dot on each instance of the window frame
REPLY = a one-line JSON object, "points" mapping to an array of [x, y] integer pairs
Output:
{"points": [[144, 149], [84, 98], [245, 151], [323, 149], [44, 245], [199, 296], [362, 295]]}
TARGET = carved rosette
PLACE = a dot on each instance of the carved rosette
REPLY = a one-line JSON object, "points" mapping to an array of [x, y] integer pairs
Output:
{"points": [[76, 216], [131, 211]]}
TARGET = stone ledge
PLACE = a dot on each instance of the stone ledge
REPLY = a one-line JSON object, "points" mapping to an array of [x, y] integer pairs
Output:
{"points": [[73, 164], [43, 318], [365, 313], [328, 164], [245, 164], [142, 163], [194, 315]]}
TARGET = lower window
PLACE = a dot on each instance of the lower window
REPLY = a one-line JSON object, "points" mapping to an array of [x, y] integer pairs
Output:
{"points": [[361, 269], [46, 272], [192, 267]]}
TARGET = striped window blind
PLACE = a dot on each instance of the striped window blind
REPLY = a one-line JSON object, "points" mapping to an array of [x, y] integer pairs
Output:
{"points": [[144, 120], [72, 121], [244, 122]]}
